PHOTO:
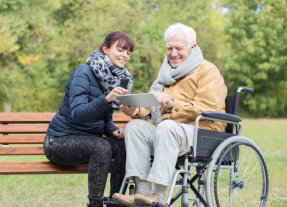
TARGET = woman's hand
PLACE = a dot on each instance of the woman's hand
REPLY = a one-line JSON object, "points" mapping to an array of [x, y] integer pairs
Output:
{"points": [[164, 99], [130, 110], [119, 133], [112, 96]]}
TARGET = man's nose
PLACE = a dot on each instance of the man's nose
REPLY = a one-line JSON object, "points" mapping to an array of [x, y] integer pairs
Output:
{"points": [[173, 53]]}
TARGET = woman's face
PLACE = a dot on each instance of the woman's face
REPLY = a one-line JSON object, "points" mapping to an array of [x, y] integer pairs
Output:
{"points": [[118, 55]]}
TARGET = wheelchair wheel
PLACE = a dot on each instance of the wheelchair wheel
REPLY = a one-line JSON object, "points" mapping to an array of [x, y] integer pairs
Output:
{"points": [[237, 175]]}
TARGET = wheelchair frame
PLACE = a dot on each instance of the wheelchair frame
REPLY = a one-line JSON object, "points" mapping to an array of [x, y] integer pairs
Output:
{"points": [[213, 152]]}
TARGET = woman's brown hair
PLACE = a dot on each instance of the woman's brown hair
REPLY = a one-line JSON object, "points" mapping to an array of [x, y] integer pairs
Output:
{"points": [[124, 41]]}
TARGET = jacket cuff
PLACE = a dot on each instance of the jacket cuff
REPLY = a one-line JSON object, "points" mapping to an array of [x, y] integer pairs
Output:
{"points": [[144, 111]]}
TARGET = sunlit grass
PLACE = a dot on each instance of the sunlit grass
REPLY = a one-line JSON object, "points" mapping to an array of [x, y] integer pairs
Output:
{"points": [[271, 137]]}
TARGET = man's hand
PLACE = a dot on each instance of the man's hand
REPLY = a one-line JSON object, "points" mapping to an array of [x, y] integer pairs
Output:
{"points": [[164, 99], [119, 133], [112, 96], [130, 110]]}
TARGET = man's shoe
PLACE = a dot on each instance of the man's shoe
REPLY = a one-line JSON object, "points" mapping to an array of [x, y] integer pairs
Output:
{"points": [[127, 200], [146, 200]]}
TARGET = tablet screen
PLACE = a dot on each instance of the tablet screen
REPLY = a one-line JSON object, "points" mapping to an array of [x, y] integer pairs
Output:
{"points": [[139, 100]]}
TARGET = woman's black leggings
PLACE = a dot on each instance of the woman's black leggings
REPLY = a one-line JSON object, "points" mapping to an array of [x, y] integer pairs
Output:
{"points": [[96, 151]]}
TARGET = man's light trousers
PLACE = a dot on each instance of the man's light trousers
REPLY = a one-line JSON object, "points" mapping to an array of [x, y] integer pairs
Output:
{"points": [[165, 142]]}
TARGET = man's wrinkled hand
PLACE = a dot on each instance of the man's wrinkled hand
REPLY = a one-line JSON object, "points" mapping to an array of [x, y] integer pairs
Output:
{"points": [[130, 110], [164, 99]]}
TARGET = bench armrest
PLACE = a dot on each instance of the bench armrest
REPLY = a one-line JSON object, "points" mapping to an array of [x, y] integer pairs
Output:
{"points": [[221, 116]]}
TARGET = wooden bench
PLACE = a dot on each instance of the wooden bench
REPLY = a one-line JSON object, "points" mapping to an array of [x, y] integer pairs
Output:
{"points": [[22, 134]]}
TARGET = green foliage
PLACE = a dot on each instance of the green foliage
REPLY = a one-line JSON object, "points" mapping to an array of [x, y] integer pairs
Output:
{"points": [[26, 32], [42, 42], [257, 53]]}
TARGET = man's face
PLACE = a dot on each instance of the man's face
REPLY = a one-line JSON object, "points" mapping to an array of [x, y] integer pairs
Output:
{"points": [[177, 50]]}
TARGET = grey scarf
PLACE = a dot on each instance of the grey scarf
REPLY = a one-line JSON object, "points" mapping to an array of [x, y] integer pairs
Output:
{"points": [[168, 75], [108, 75]]}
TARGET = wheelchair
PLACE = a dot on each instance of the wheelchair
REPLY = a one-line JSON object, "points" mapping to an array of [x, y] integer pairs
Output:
{"points": [[222, 169]]}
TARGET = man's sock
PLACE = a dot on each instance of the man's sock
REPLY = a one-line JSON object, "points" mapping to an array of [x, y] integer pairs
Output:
{"points": [[143, 186], [159, 190]]}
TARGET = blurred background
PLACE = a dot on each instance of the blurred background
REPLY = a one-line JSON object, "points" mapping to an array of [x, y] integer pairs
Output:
{"points": [[43, 41]]}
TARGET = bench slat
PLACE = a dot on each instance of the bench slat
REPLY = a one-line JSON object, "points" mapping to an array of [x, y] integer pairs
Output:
{"points": [[26, 117], [28, 129], [44, 167], [29, 117], [121, 117], [22, 139], [23, 128], [31, 150]]}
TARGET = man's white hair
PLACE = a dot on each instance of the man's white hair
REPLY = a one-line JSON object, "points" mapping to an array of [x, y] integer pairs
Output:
{"points": [[177, 28]]}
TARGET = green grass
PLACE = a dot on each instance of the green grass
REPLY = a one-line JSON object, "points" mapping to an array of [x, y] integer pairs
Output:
{"points": [[71, 190], [271, 137]]}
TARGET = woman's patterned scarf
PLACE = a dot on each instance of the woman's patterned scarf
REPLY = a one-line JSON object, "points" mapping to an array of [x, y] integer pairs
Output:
{"points": [[108, 75], [168, 75]]}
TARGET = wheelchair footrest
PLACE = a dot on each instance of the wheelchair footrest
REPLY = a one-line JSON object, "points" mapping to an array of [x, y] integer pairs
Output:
{"points": [[154, 204], [109, 202], [113, 203]]}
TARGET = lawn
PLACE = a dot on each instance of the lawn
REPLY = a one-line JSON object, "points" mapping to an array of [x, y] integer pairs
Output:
{"points": [[71, 190], [271, 137]]}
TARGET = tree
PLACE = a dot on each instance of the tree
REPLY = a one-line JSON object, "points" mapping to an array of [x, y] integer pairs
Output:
{"points": [[25, 33], [256, 53], [43, 42]]}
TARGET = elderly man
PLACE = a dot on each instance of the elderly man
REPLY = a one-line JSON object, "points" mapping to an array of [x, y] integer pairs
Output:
{"points": [[186, 86]]}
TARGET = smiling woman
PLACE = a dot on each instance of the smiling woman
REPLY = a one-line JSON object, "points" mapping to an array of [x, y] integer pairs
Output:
{"points": [[75, 133], [117, 55], [118, 46]]}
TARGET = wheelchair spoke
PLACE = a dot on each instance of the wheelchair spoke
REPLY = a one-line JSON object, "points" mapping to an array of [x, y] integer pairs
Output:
{"points": [[247, 166], [243, 182]]}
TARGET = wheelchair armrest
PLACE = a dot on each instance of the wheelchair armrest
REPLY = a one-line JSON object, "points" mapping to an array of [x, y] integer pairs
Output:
{"points": [[214, 116], [221, 116]]}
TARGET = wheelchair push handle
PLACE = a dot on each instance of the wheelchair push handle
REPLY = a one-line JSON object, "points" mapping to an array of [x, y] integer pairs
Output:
{"points": [[245, 89]]}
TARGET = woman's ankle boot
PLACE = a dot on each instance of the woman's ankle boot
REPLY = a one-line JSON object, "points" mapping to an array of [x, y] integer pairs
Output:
{"points": [[98, 203]]}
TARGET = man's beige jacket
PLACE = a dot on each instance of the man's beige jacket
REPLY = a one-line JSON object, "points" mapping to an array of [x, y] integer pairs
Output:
{"points": [[203, 90]]}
